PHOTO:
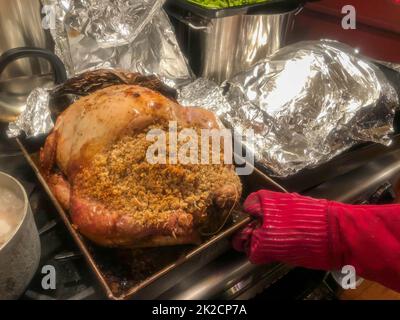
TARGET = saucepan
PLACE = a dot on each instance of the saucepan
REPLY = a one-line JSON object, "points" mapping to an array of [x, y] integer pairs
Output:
{"points": [[19, 239]]}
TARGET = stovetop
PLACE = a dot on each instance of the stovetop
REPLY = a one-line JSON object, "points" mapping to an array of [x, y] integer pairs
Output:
{"points": [[230, 276]]}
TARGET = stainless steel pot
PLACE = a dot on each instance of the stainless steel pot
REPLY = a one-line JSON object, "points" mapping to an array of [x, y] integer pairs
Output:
{"points": [[21, 27], [219, 48], [20, 255]]}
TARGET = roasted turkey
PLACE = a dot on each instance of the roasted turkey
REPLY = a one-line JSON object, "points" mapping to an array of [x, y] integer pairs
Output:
{"points": [[94, 161]]}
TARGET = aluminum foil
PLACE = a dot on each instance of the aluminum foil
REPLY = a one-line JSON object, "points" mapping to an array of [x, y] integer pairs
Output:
{"points": [[206, 94], [36, 119], [134, 35], [391, 65], [306, 104]]}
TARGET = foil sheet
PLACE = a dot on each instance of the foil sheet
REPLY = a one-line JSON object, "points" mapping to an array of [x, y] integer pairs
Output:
{"points": [[305, 104], [134, 35], [391, 65], [36, 119], [206, 94]]}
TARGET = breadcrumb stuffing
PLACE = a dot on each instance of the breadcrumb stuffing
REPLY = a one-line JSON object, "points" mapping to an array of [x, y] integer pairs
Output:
{"points": [[122, 178]]}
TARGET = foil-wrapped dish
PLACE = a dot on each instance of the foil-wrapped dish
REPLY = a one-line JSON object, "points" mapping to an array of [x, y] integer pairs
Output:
{"points": [[305, 104]]}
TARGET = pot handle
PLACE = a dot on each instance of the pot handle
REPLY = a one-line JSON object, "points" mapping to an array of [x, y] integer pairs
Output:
{"points": [[300, 9], [191, 21], [60, 74]]}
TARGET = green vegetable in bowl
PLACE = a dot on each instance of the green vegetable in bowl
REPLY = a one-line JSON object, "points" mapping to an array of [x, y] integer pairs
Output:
{"points": [[220, 4]]}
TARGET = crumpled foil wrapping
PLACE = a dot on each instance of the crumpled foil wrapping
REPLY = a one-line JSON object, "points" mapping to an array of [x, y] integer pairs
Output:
{"points": [[36, 119], [391, 65], [134, 35], [206, 94], [306, 104]]}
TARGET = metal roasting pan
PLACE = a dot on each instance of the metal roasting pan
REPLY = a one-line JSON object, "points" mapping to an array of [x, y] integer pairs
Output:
{"points": [[146, 273]]}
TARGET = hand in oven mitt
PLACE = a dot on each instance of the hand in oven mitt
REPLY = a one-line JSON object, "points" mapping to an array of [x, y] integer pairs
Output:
{"points": [[322, 234]]}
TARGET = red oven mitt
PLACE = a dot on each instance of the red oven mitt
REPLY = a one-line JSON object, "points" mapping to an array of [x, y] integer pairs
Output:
{"points": [[322, 234]]}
